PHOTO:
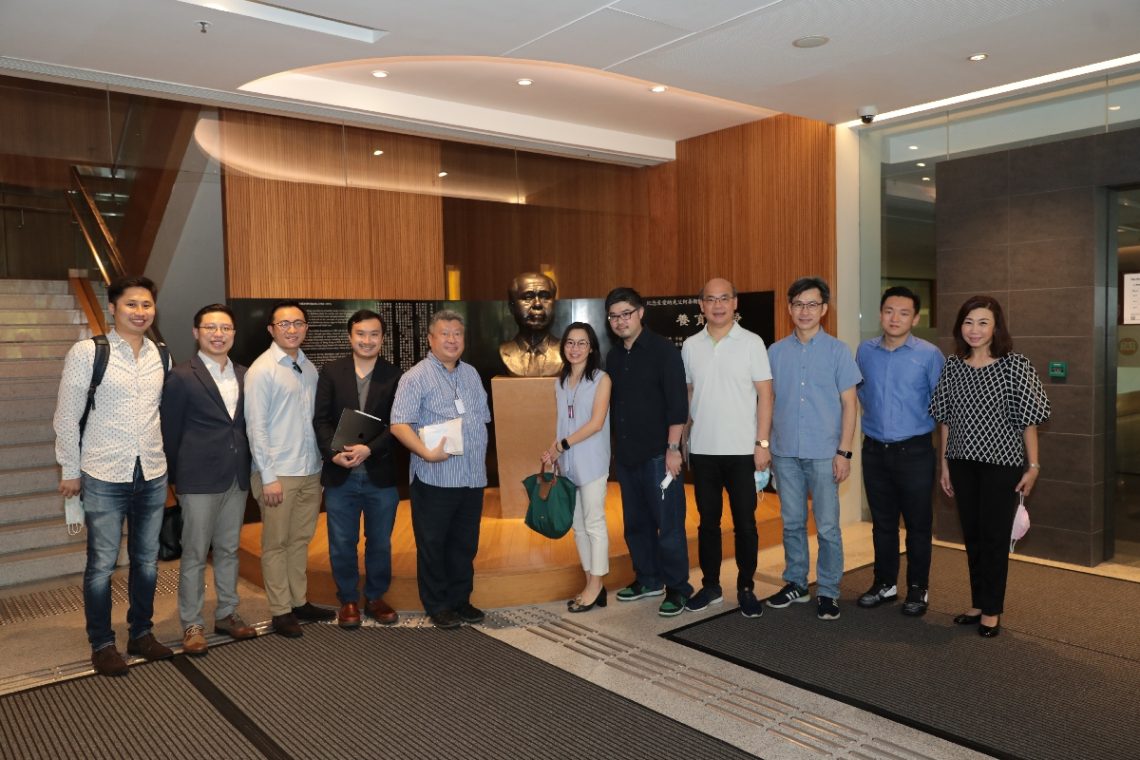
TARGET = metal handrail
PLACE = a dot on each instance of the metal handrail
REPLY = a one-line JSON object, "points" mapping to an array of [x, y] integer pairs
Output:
{"points": [[87, 237], [116, 256]]}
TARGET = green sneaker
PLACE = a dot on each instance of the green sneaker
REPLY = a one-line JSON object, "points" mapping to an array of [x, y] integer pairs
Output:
{"points": [[635, 591], [674, 604]]}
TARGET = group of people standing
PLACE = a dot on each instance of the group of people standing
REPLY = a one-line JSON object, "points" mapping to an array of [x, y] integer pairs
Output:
{"points": [[217, 431]]}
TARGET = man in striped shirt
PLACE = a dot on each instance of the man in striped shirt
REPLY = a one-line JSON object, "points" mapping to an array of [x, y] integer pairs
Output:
{"points": [[446, 489]]}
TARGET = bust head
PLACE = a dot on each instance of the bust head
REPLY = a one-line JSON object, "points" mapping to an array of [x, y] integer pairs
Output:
{"points": [[531, 296]]}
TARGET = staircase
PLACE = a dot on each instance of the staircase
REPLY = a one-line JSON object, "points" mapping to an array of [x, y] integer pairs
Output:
{"points": [[39, 322]]}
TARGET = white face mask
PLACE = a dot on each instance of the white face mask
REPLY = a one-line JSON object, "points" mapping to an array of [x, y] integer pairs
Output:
{"points": [[1020, 523], [762, 478]]}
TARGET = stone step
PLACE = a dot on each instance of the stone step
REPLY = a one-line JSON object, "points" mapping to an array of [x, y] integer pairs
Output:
{"points": [[45, 564], [21, 456], [28, 480], [33, 388], [41, 350], [26, 431], [41, 316], [28, 409], [25, 368], [26, 301], [37, 534], [38, 333], [35, 286], [31, 506]]}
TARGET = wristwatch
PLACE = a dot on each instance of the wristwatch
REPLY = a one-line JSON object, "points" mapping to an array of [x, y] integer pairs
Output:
{"points": [[565, 444], [762, 443], [842, 453], [674, 447]]}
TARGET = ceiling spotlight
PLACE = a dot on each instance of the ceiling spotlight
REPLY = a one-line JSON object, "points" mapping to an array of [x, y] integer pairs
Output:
{"points": [[441, 175], [379, 73], [926, 179], [921, 164], [524, 82], [912, 147], [658, 88], [978, 57], [811, 41], [377, 152], [1114, 108]]}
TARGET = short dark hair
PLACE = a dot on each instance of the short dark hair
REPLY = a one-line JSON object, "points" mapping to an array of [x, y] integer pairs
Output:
{"points": [[624, 294], [219, 307], [1002, 343], [364, 315], [120, 285], [807, 283], [593, 361], [898, 291], [286, 304]]}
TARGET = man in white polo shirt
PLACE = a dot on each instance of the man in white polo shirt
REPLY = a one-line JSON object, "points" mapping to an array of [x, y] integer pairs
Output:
{"points": [[730, 409]]}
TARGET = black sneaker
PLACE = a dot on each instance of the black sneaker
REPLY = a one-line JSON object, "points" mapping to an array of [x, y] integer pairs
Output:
{"points": [[703, 598], [916, 601], [879, 593], [750, 606], [445, 619], [787, 595], [635, 591], [827, 608], [470, 614], [673, 605]]}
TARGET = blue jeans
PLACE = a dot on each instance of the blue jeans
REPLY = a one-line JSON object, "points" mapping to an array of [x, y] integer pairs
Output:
{"points": [[655, 526], [795, 477], [105, 505], [343, 506]]}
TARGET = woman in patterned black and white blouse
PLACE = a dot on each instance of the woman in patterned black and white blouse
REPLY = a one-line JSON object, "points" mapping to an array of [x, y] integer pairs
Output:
{"points": [[989, 402]]}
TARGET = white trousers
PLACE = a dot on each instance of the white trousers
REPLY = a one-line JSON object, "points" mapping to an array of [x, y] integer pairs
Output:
{"points": [[590, 531]]}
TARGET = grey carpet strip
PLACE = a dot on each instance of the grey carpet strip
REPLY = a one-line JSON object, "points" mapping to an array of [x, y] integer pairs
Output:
{"points": [[1021, 695], [151, 713], [400, 693]]}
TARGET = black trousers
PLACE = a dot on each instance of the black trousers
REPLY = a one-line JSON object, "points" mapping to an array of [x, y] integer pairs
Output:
{"points": [[445, 522], [899, 478], [987, 504], [713, 474]]}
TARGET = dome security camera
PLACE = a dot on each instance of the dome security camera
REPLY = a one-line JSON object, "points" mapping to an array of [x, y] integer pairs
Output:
{"points": [[867, 113]]}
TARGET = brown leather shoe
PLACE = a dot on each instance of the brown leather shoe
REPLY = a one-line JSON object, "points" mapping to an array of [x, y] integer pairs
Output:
{"points": [[382, 612], [108, 662], [286, 625], [149, 648], [348, 616], [194, 641], [234, 627]]}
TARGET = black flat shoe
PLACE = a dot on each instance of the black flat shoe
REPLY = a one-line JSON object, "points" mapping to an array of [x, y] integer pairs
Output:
{"points": [[599, 601], [989, 631], [965, 619]]}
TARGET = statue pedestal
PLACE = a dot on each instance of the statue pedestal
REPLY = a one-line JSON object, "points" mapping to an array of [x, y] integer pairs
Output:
{"points": [[524, 426]]}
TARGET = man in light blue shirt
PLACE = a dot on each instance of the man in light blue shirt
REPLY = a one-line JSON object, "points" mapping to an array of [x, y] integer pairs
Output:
{"points": [[446, 490], [813, 424], [280, 391], [900, 373]]}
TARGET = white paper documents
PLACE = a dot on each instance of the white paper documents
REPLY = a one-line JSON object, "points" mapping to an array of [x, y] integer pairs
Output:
{"points": [[452, 430]]}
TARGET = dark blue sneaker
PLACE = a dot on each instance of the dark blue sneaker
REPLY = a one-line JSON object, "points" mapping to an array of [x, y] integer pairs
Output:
{"points": [[750, 606], [789, 594], [703, 598]]}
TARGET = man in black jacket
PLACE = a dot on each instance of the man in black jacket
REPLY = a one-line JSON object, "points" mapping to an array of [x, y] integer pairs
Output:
{"points": [[359, 478], [207, 456]]}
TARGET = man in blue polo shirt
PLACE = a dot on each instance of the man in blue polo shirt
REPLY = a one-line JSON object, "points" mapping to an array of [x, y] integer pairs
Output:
{"points": [[813, 424], [900, 372]]}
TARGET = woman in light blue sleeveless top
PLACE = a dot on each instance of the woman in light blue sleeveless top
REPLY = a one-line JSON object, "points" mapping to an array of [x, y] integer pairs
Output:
{"points": [[582, 450]]}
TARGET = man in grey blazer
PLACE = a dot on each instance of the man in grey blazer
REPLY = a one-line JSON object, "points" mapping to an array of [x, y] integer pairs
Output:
{"points": [[208, 459]]}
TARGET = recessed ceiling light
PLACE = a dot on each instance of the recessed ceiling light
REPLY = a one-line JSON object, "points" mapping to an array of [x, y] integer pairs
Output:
{"points": [[921, 164], [811, 41], [442, 174], [658, 88], [926, 179], [379, 73], [377, 152], [912, 147], [525, 82], [978, 57], [1114, 108]]}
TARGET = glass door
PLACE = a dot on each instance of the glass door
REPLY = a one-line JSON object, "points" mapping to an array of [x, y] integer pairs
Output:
{"points": [[1122, 527]]}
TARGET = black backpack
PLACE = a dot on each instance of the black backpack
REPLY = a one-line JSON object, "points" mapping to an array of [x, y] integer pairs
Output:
{"points": [[99, 368]]}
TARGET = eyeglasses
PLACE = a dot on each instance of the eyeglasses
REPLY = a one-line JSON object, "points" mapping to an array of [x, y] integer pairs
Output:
{"points": [[577, 344], [621, 316], [806, 305], [710, 300], [296, 324], [223, 329]]}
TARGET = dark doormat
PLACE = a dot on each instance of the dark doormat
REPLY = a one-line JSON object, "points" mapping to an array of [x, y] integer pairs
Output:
{"points": [[1061, 681]]}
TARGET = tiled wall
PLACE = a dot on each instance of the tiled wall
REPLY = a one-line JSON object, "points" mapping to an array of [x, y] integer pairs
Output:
{"points": [[1027, 226]]}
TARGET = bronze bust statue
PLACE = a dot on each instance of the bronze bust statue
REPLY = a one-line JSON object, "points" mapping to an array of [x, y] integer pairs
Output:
{"points": [[534, 352]]}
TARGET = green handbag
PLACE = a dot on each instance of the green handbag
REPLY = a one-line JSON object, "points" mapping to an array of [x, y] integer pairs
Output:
{"points": [[551, 510]]}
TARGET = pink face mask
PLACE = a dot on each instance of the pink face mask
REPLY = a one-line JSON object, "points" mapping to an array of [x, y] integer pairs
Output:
{"points": [[1020, 522]]}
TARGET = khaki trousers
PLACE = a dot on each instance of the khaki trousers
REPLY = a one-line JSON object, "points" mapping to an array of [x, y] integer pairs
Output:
{"points": [[286, 531]]}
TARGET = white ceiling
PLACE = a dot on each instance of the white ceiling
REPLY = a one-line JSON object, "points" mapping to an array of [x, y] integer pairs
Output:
{"points": [[725, 61]]}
